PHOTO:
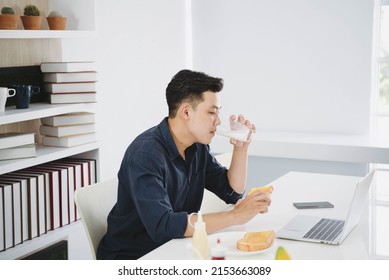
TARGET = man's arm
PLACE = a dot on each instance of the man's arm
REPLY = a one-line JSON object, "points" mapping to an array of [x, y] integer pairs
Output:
{"points": [[246, 208], [237, 173], [243, 212]]}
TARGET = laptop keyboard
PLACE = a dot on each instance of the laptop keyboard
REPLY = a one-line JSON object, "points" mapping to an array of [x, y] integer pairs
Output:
{"points": [[326, 230]]}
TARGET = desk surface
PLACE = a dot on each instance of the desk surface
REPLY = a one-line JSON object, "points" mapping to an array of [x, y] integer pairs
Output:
{"points": [[311, 146], [292, 187]]}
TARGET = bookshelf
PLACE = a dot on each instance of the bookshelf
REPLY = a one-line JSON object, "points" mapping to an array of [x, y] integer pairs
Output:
{"points": [[80, 19], [41, 110], [31, 47], [45, 34], [69, 232]]}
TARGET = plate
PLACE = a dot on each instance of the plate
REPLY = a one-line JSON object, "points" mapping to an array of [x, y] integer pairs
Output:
{"points": [[229, 239]]}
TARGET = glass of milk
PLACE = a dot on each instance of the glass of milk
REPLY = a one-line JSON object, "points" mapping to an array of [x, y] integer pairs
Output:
{"points": [[233, 129]]}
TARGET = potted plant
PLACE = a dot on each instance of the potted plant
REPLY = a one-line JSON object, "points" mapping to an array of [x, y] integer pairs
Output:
{"points": [[56, 21], [31, 19], [8, 19]]}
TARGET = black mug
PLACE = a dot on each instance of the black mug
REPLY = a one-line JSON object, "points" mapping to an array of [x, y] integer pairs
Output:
{"points": [[23, 95]]}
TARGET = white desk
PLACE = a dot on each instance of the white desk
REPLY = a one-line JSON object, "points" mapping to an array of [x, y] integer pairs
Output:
{"points": [[292, 187], [311, 146]]}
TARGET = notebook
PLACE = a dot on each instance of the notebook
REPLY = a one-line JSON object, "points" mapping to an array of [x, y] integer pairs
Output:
{"points": [[325, 230]]}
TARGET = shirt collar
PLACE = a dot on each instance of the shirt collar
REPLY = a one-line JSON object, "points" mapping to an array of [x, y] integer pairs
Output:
{"points": [[168, 139], [170, 144]]}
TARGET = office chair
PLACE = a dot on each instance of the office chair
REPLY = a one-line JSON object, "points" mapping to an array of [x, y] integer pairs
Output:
{"points": [[93, 205], [212, 203]]}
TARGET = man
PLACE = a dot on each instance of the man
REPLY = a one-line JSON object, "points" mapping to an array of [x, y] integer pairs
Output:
{"points": [[166, 168]]}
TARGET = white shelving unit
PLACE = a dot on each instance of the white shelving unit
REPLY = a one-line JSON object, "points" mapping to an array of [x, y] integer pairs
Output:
{"points": [[80, 19], [81, 24], [77, 243], [45, 34], [41, 110], [45, 154], [74, 232]]}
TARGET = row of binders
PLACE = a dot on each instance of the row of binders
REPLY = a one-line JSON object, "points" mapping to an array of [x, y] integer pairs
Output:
{"points": [[38, 199], [70, 82]]}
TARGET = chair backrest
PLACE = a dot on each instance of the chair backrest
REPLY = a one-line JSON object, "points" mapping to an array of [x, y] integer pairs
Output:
{"points": [[224, 159], [211, 203], [93, 205]]}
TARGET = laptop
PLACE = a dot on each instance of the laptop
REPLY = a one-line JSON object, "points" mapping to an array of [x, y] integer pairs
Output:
{"points": [[325, 230]]}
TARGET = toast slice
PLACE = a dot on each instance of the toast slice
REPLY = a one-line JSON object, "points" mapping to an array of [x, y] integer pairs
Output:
{"points": [[256, 241], [269, 189]]}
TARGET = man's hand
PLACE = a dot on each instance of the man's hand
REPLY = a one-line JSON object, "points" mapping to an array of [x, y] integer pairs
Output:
{"points": [[247, 123], [244, 210], [253, 204]]}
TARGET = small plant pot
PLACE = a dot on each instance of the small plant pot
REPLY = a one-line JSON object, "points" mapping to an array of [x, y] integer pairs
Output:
{"points": [[56, 23], [31, 22], [8, 21]]}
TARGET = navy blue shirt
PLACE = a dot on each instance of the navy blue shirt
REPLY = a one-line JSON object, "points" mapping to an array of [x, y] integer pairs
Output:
{"points": [[157, 189]]}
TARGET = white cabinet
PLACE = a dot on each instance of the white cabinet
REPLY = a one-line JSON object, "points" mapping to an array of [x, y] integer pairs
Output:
{"points": [[30, 47]]}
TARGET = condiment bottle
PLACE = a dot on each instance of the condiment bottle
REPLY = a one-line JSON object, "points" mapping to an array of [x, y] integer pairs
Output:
{"points": [[218, 252], [200, 239]]}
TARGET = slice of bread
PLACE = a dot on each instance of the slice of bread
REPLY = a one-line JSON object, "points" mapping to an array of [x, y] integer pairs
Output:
{"points": [[256, 241], [268, 189]]}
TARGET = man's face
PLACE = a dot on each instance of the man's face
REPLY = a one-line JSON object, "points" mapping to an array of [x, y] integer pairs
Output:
{"points": [[205, 117]]}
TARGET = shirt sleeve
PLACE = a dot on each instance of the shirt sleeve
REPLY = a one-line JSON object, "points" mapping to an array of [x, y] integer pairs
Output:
{"points": [[146, 177]]}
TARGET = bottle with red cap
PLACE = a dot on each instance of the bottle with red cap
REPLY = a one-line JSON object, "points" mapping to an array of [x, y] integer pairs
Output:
{"points": [[218, 252]]}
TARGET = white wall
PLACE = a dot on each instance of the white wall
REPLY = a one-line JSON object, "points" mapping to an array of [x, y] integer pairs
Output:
{"points": [[290, 65], [295, 65], [140, 45], [300, 65]]}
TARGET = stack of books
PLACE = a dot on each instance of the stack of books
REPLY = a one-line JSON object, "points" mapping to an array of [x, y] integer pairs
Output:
{"points": [[15, 145], [70, 82], [68, 130], [40, 198]]}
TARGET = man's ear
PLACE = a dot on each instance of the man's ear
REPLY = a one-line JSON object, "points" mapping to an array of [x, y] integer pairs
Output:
{"points": [[184, 110]]}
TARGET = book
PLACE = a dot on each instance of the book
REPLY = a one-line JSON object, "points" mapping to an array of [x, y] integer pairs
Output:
{"points": [[24, 208], [69, 141], [53, 184], [69, 119], [85, 169], [60, 98], [89, 169], [32, 197], [7, 208], [16, 208], [70, 87], [2, 222], [70, 77], [63, 192], [74, 66], [15, 139], [81, 176], [92, 168], [24, 151], [45, 183], [38, 179], [68, 130], [70, 188], [17, 199]]}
